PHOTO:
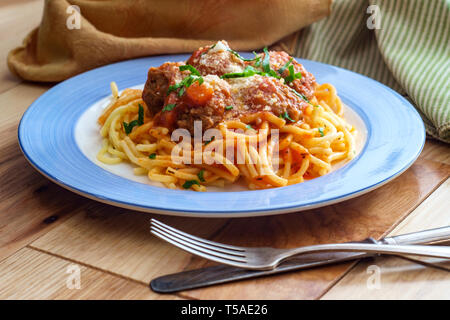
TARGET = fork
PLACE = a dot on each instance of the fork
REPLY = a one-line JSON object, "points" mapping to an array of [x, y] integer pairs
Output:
{"points": [[266, 258]]}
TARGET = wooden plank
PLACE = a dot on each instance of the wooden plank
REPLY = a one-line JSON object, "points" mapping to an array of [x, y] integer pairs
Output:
{"points": [[17, 19], [121, 244], [119, 241], [399, 278], [14, 102], [370, 215], [436, 151], [28, 204], [30, 274]]}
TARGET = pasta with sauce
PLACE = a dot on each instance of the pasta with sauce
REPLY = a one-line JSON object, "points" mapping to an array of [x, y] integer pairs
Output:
{"points": [[275, 126]]}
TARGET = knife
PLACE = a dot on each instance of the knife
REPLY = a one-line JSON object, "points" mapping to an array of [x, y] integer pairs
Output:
{"points": [[208, 276]]}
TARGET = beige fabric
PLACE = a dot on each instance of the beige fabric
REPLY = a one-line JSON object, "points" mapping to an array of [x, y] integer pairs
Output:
{"points": [[114, 30]]}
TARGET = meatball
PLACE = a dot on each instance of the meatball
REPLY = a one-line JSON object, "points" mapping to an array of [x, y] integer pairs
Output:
{"points": [[258, 93], [158, 82], [210, 99], [305, 85], [204, 102], [217, 59]]}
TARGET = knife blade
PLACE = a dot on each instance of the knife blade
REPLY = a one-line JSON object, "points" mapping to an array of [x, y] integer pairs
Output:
{"points": [[208, 276]]}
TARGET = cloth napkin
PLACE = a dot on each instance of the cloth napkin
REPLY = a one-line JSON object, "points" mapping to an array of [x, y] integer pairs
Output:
{"points": [[78, 35], [408, 51], [401, 43]]}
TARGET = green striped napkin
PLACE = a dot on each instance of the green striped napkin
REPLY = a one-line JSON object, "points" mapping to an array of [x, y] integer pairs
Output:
{"points": [[401, 43]]}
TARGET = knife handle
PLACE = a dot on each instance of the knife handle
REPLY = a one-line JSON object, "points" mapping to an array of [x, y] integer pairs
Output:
{"points": [[421, 237]]}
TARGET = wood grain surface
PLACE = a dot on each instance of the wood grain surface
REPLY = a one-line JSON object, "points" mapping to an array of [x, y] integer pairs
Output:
{"points": [[400, 277], [48, 277], [44, 228], [118, 241]]}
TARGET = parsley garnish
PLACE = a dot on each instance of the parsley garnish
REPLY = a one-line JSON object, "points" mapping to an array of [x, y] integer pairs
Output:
{"points": [[251, 71], [129, 126], [209, 141], [280, 71], [187, 81], [300, 95], [140, 115], [169, 107], [292, 75], [248, 72], [321, 131], [256, 58], [200, 175], [140, 121], [228, 107], [190, 183], [286, 116], [258, 61], [152, 156], [249, 127], [266, 61], [190, 68]]}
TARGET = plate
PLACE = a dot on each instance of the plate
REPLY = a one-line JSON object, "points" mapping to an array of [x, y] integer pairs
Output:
{"points": [[59, 136]]}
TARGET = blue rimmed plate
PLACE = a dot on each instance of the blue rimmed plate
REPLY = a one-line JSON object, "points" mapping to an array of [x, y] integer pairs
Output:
{"points": [[59, 136]]}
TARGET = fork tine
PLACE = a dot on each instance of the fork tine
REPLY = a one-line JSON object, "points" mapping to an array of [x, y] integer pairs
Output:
{"points": [[202, 253], [196, 243], [187, 235]]}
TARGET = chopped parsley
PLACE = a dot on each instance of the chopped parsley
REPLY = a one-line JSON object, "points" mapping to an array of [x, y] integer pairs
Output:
{"points": [[190, 68], [266, 61], [266, 65], [152, 156], [248, 72], [286, 116], [321, 131], [169, 107], [129, 126], [251, 71], [258, 61], [140, 115], [190, 183], [209, 141], [228, 107], [281, 70], [292, 75], [301, 96], [140, 121], [200, 175], [187, 81], [256, 58], [249, 127]]}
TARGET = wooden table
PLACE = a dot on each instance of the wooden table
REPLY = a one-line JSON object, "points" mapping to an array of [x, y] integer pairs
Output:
{"points": [[47, 232]]}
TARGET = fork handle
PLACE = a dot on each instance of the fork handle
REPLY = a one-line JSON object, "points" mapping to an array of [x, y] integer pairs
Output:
{"points": [[419, 250], [426, 236]]}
